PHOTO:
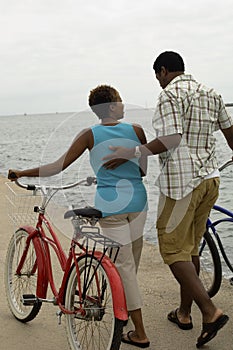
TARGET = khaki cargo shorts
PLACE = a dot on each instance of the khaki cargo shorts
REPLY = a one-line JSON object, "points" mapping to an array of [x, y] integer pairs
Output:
{"points": [[182, 223]]}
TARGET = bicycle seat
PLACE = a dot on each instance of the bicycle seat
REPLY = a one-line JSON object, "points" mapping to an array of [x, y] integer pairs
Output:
{"points": [[87, 212]]}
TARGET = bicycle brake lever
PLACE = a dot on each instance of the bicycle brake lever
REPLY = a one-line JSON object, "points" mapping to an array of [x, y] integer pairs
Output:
{"points": [[59, 314], [90, 180]]}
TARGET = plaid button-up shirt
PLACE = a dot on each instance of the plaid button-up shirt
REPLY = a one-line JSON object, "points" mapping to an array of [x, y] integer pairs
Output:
{"points": [[188, 108]]}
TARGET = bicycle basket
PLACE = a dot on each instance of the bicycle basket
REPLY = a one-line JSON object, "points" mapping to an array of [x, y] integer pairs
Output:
{"points": [[20, 205]]}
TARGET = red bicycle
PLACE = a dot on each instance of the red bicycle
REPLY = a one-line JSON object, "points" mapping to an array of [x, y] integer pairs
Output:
{"points": [[91, 294]]}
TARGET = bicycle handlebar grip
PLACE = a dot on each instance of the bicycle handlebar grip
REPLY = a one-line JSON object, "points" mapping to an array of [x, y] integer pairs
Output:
{"points": [[31, 187]]}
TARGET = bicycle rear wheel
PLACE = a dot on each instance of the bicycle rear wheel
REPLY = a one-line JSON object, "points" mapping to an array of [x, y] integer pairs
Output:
{"points": [[95, 326], [210, 265], [17, 285]]}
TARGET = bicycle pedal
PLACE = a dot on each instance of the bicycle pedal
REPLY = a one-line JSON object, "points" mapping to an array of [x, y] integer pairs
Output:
{"points": [[59, 314], [29, 299]]}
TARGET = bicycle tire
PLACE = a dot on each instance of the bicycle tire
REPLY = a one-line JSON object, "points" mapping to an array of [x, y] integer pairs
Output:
{"points": [[210, 265], [99, 329], [25, 283]]}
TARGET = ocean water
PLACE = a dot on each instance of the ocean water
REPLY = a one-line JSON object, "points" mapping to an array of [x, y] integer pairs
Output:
{"points": [[31, 140]]}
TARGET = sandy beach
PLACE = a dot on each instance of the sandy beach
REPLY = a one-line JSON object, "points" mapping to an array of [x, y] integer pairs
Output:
{"points": [[160, 293]]}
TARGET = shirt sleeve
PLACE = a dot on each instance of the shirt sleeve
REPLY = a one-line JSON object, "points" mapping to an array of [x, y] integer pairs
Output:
{"points": [[167, 116]]}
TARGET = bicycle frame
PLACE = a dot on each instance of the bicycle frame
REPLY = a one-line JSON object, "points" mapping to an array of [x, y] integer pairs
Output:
{"points": [[211, 247], [212, 225], [228, 218], [41, 243], [215, 223]]}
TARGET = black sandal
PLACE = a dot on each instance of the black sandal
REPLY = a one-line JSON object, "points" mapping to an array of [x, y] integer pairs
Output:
{"points": [[210, 330], [130, 341], [173, 317]]}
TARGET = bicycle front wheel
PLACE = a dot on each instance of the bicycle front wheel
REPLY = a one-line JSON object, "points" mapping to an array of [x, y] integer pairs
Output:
{"points": [[17, 285], [94, 326], [210, 265]]}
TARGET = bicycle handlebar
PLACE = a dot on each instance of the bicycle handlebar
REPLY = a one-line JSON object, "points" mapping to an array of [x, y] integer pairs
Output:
{"points": [[225, 165], [85, 182]]}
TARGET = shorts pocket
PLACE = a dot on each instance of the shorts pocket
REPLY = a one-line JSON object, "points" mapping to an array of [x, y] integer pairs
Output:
{"points": [[167, 241]]}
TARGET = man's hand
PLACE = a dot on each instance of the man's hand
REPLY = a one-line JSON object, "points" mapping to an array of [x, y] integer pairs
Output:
{"points": [[114, 163], [118, 157]]}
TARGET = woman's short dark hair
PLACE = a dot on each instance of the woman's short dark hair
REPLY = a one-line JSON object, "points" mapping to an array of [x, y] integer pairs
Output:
{"points": [[170, 60], [100, 98]]}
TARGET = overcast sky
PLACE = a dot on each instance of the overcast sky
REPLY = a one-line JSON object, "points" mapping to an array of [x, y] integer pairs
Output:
{"points": [[54, 51]]}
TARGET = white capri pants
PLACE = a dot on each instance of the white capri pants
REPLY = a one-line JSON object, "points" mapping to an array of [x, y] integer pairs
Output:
{"points": [[127, 229]]}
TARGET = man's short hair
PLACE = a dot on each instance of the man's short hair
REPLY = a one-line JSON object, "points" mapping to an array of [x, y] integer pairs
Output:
{"points": [[100, 98], [170, 60]]}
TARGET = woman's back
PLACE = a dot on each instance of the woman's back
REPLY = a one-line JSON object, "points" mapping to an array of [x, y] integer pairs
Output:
{"points": [[119, 190]]}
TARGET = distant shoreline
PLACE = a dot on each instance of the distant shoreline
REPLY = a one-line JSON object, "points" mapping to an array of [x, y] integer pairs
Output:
{"points": [[36, 114]]}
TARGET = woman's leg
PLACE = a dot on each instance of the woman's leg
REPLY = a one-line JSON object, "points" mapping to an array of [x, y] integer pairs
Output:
{"points": [[128, 229]]}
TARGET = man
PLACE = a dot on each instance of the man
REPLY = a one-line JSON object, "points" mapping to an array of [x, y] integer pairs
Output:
{"points": [[185, 119]]}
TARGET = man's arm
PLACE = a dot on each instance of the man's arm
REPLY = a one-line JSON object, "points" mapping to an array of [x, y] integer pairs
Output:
{"points": [[228, 134], [143, 159], [161, 144], [156, 146]]}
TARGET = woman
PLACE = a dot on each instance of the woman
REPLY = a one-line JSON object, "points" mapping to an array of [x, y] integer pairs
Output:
{"points": [[120, 195]]}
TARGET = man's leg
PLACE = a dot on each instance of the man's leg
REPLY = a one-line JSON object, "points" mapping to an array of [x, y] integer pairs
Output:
{"points": [[192, 289], [209, 189], [185, 298], [174, 222], [176, 238]]}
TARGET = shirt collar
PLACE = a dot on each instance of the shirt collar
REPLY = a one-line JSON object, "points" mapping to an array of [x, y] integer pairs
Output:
{"points": [[179, 78]]}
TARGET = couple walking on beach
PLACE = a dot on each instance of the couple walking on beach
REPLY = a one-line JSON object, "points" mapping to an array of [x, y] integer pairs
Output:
{"points": [[186, 116]]}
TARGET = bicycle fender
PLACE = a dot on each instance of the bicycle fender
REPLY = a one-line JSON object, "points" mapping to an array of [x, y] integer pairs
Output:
{"points": [[41, 288], [119, 301]]}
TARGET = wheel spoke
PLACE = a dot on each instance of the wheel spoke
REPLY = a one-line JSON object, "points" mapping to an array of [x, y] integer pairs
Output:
{"points": [[95, 330]]}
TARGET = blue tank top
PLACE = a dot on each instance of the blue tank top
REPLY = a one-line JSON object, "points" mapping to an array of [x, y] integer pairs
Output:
{"points": [[120, 190]]}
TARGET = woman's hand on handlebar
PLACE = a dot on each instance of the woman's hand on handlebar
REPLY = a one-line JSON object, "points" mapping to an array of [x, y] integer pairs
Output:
{"points": [[13, 175]]}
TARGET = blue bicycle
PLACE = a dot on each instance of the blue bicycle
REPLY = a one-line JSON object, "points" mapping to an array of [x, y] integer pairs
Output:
{"points": [[211, 246]]}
